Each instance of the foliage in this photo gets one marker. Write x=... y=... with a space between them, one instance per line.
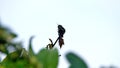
x=75 y=61
x=19 y=57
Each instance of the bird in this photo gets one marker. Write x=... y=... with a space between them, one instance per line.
x=61 y=32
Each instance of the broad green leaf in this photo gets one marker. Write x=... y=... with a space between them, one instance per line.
x=75 y=61
x=49 y=58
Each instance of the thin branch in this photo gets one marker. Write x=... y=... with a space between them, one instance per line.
x=55 y=42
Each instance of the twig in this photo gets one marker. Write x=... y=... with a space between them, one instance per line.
x=55 y=42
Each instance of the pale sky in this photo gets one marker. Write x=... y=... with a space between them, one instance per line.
x=92 y=27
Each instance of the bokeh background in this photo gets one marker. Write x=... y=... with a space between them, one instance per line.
x=92 y=27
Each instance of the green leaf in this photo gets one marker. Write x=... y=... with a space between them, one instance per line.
x=16 y=59
x=31 y=52
x=21 y=63
x=75 y=61
x=7 y=34
x=14 y=56
x=49 y=58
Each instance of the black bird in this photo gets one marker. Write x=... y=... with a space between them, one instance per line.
x=61 y=31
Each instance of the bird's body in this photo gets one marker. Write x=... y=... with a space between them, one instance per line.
x=61 y=32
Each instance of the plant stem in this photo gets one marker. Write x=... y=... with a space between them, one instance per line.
x=55 y=42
